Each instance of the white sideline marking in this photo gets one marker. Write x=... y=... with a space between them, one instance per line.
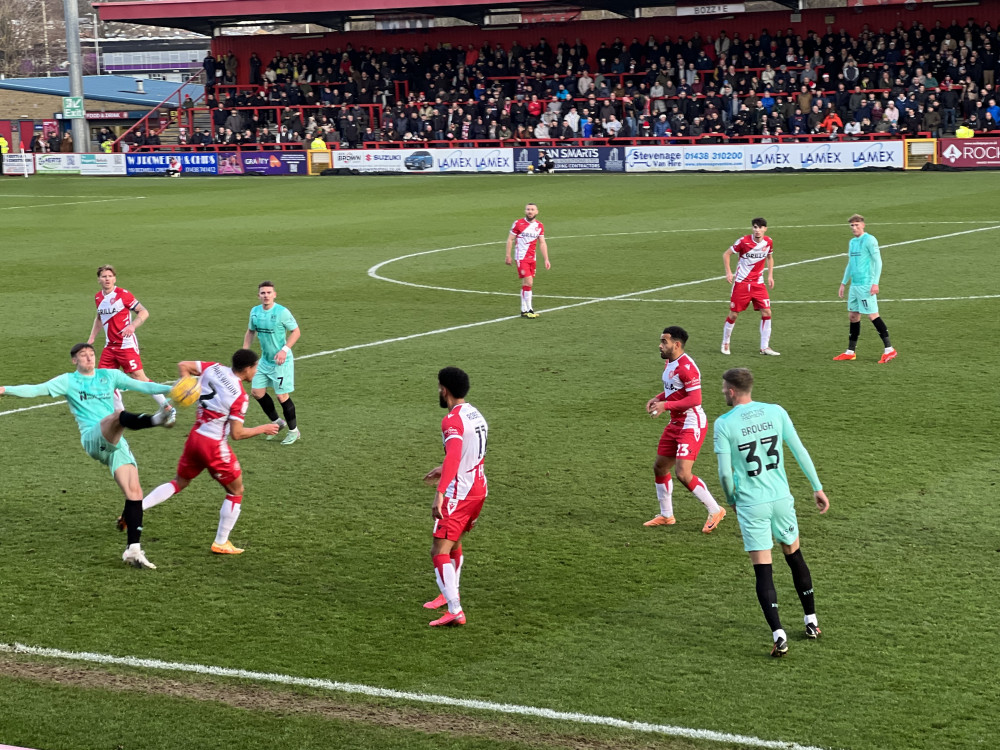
x=29 y=408
x=813 y=301
x=76 y=203
x=32 y=195
x=373 y=271
x=588 y=301
x=377 y=692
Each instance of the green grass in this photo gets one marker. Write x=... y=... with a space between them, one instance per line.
x=572 y=604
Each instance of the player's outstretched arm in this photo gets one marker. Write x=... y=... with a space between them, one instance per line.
x=241 y=432
x=125 y=382
x=189 y=368
x=248 y=339
x=55 y=387
x=94 y=329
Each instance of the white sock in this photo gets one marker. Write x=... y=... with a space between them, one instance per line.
x=458 y=570
x=727 y=331
x=765 y=333
x=849 y=351
x=228 y=514
x=701 y=492
x=779 y=633
x=157 y=496
x=665 y=493
x=888 y=349
x=117 y=400
x=158 y=418
x=449 y=586
x=527 y=299
x=160 y=399
x=280 y=422
x=524 y=302
x=811 y=619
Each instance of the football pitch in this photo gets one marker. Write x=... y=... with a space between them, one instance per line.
x=585 y=629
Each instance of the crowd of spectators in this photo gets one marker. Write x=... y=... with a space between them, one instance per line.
x=898 y=82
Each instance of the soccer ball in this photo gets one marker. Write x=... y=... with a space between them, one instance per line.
x=185 y=391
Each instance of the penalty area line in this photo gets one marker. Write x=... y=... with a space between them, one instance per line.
x=431 y=698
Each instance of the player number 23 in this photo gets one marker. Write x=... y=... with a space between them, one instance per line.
x=771 y=451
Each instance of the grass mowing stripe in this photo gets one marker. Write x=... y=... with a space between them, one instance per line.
x=376 y=692
x=589 y=301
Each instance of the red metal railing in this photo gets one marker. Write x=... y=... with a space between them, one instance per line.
x=142 y=126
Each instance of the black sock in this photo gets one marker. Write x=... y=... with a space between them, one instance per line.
x=131 y=421
x=882 y=331
x=267 y=404
x=132 y=516
x=288 y=408
x=852 y=340
x=766 y=595
x=803 y=581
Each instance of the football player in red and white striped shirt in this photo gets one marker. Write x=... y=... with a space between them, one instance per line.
x=115 y=307
x=755 y=250
x=221 y=409
x=527 y=234
x=461 y=490
x=683 y=436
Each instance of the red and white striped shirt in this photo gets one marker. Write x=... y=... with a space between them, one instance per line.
x=222 y=399
x=753 y=256
x=526 y=234
x=115 y=311
x=466 y=424
x=681 y=379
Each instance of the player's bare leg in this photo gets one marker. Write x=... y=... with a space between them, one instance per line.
x=228 y=515
x=141 y=375
x=727 y=331
x=765 y=335
x=127 y=477
x=446 y=571
x=664 y=492
x=684 y=469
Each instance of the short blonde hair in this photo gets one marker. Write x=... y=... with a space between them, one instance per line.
x=856 y=217
x=102 y=269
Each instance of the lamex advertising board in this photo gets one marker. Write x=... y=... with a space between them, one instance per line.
x=103 y=165
x=158 y=163
x=573 y=158
x=273 y=163
x=472 y=160
x=854 y=155
x=969 y=152
x=18 y=164
x=654 y=158
x=57 y=163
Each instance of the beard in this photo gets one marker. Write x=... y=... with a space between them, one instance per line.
x=442 y=401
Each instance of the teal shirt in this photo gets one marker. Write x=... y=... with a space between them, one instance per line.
x=271 y=327
x=90 y=397
x=864 y=261
x=748 y=444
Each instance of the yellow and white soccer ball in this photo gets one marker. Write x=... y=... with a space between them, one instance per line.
x=186 y=391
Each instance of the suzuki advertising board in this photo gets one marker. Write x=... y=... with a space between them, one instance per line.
x=969 y=152
x=157 y=163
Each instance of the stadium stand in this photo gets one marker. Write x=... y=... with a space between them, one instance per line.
x=707 y=89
